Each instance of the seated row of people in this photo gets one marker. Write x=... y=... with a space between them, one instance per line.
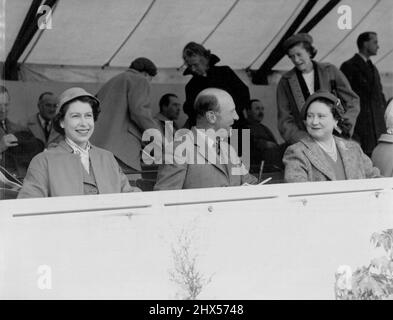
x=76 y=167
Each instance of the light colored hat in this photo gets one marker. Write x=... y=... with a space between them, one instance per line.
x=73 y=93
x=296 y=38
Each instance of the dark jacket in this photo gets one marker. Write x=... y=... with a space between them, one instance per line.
x=290 y=99
x=365 y=81
x=221 y=77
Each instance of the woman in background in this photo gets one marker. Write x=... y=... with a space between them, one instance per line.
x=74 y=166
x=382 y=156
x=321 y=156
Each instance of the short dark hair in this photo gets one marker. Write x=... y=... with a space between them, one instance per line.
x=248 y=107
x=165 y=100
x=3 y=89
x=205 y=103
x=63 y=110
x=193 y=48
x=42 y=95
x=364 y=37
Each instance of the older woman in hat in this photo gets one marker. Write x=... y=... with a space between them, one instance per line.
x=382 y=155
x=74 y=166
x=307 y=77
x=320 y=155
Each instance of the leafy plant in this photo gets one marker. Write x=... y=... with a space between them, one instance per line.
x=374 y=282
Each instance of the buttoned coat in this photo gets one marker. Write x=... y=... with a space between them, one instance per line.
x=200 y=170
x=125 y=114
x=382 y=155
x=290 y=100
x=305 y=161
x=35 y=127
x=58 y=172
x=367 y=84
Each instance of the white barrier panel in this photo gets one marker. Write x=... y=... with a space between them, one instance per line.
x=258 y=242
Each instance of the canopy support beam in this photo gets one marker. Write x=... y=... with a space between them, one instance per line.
x=25 y=35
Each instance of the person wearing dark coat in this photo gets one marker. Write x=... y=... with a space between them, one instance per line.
x=307 y=77
x=365 y=81
x=201 y=64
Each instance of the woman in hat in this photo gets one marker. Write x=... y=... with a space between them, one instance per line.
x=307 y=77
x=321 y=156
x=382 y=155
x=74 y=166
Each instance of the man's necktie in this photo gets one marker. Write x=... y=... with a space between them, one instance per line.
x=47 y=129
x=4 y=126
x=370 y=67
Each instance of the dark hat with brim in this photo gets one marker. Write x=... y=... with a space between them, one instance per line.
x=295 y=39
x=323 y=95
x=143 y=64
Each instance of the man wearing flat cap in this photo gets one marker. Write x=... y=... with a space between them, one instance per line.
x=126 y=113
x=307 y=77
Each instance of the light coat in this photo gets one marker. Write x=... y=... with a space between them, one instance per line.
x=382 y=156
x=125 y=114
x=206 y=174
x=305 y=161
x=58 y=172
x=34 y=125
x=290 y=100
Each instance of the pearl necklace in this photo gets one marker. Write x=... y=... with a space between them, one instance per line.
x=330 y=150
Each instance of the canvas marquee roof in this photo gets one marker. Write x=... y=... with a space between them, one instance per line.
x=241 y=32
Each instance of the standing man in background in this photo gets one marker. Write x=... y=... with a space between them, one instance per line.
x=125 y=114
x=366 y=82
x=40 y=124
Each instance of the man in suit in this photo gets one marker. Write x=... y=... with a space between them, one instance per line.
x=40 y=124
x=208 y=162
x=169 y=111
x=17 y=144
x=125 y=114
x=365 y=81
x=264 y=145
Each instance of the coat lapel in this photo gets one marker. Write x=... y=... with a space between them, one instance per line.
x=296 y=89
x=348 y=156
x=203 y=152
x=316 y=156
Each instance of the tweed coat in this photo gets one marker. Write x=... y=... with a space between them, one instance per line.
x=367 y=84
x=199 y=172
x=382 y=155
x=58 y=172
x=305 y=161
x=125 y=114
x=290 y=100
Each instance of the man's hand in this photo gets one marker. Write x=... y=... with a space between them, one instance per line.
x=8 y=140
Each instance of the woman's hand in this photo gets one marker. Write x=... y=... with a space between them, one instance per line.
x=8 y=140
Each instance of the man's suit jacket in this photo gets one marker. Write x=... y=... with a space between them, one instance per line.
x=198 y=171
x=367 y=84
x=305 y=161
x=59 y=172
x=290 y=100
x=125 y=114
x=16 y=159
x=34 y=125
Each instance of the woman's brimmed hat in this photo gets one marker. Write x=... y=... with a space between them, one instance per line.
x=323 y=95
x=296 y=38
x=73 y=93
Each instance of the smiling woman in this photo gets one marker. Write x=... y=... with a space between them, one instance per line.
x=321 y=156
x=74 y=166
